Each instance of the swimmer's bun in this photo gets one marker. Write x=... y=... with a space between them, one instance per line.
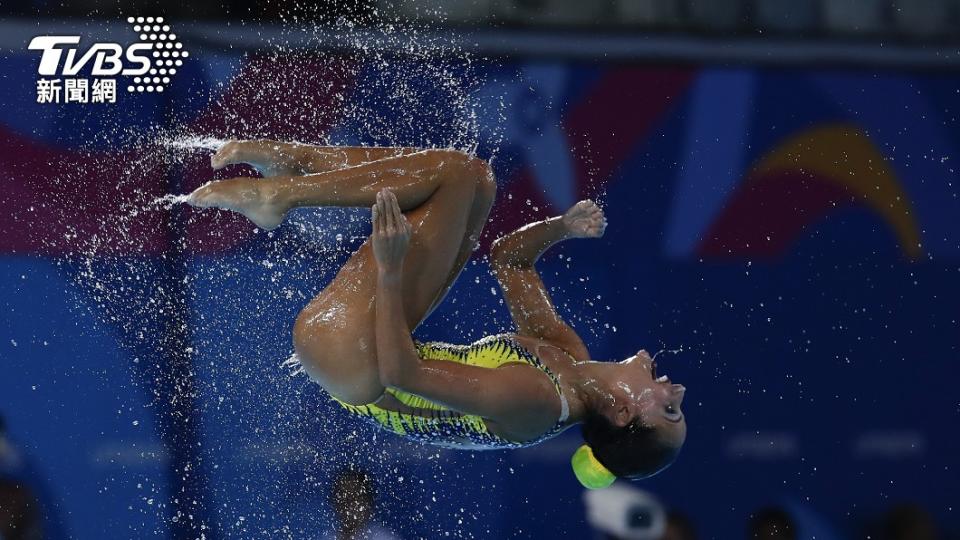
x=590 y=472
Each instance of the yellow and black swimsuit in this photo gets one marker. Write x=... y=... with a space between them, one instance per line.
x=435 y=424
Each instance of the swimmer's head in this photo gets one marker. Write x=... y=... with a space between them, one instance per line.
x=635 y=426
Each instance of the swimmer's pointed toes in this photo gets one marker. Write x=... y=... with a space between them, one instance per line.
x=225 y=155
x=200 y=198
x=219 y=161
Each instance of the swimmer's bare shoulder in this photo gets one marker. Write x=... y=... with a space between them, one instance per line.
x=534 y=420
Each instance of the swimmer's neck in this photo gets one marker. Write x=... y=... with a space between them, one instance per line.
x=585 y=386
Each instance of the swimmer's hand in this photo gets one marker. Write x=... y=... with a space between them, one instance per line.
x=585 y=220
x=391 y=233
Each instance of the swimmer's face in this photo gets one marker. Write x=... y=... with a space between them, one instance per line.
x=640 y=394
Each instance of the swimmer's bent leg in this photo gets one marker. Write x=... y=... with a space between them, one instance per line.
x=413 y=178
x=334 y=335
x=274 y=158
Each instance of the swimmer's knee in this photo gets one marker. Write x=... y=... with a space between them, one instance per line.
x=479 y=171
x=301 y=329
x=467 y=168
x=310 y=341
x=486 y=186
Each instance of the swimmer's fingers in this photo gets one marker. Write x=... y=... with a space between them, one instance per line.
x=382 y=214
x=375 y=219
x=383 y=210
x=391 y=236
x=383 y=199
x=591 y=209
x=399 y=221
x=585 y=220
x=599 y=222
x=405 y=223
x=598 y=226
x=593 y=230
x=395 y=215
x=393 y=221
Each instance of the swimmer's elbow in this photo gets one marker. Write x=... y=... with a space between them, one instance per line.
x=390 y=376
x=397 y=372
x=496 y=251
x=500 y=256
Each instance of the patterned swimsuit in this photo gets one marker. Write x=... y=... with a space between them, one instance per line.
x=435 y=424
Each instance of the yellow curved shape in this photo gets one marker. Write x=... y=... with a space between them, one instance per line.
x=588 y=469
x=845 y=154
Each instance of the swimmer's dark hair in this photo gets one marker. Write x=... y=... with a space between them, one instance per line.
x=633 y=452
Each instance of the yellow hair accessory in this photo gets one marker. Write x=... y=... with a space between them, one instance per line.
x=590 y=472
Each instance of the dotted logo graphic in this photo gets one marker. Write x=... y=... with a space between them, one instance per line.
x=168 y=54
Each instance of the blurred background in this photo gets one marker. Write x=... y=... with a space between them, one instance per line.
x=783 y=207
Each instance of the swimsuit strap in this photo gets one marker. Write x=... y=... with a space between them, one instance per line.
x=534 y=360
x=564 y=409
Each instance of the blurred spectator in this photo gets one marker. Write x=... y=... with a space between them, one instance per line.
x=622 y=512
x=6 y=449
x=10 y=461
x=908 y=522
x=19 y=515
x=679 y=527
x=353 y=498
x=19 y=510
x=771 y=523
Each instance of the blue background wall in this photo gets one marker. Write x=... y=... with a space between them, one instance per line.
x=793 y=231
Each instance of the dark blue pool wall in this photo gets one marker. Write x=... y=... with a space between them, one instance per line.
x=793 y=230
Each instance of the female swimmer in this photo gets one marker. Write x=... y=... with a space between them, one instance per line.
x=506 y=391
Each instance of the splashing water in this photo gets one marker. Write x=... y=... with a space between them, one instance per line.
x=668 y=351
x=167 y=202
x=293 y=365
x=194 y=142
x=204 y=302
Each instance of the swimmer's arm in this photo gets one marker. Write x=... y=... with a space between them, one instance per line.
x=397 y=357
x=516 y=397
x=513 y=259
x=522 y=247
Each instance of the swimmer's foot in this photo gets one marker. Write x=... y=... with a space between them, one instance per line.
x=258 y=201
x=260 y=155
